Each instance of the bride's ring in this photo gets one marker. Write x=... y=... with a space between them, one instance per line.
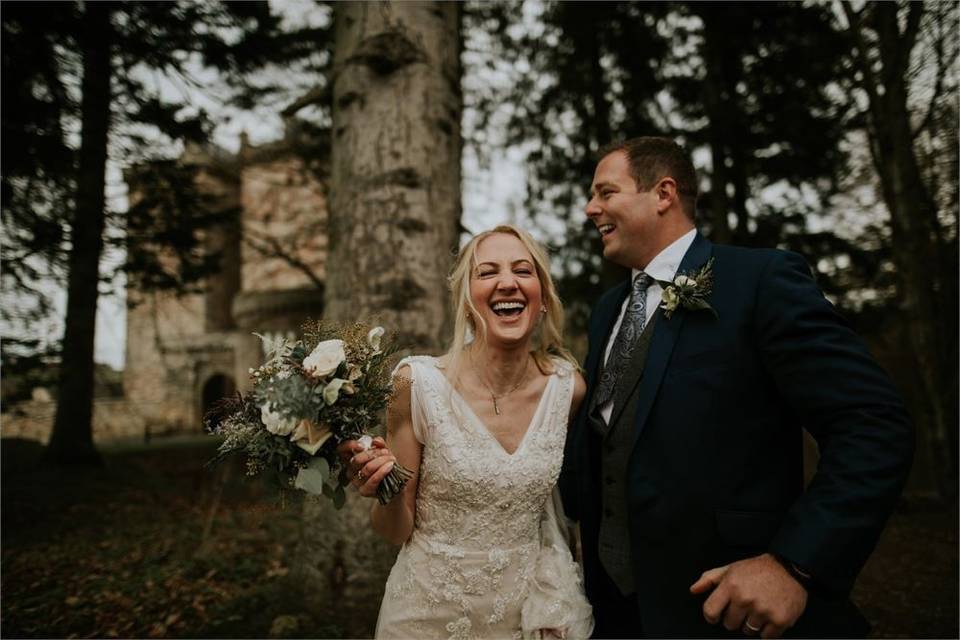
x=360 y=476
x=750 y=627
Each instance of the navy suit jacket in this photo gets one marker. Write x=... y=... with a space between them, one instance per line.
x=716 y=469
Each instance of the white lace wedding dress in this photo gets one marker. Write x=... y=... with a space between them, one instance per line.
x=487 y=558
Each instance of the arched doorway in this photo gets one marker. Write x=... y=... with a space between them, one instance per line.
x=216 y=388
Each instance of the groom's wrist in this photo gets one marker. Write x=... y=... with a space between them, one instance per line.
x=797 y=572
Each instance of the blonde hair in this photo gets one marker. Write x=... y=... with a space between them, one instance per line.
x=548 y=338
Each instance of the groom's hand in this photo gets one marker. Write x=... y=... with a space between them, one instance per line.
x=756 y=596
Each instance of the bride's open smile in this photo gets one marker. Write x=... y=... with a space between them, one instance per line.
x=505 y=289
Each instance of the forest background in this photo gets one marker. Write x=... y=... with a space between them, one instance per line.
x=825 y=128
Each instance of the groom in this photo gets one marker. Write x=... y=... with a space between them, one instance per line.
x=685 y=464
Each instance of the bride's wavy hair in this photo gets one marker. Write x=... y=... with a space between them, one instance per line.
x=547 y=338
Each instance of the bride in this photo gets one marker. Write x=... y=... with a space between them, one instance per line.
x=484 y=552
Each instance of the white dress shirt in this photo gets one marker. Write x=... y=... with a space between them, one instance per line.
x=663 y=267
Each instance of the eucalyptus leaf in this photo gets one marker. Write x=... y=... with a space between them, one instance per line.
x=313 y=477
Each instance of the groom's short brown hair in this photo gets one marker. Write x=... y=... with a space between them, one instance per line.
x=653 y=158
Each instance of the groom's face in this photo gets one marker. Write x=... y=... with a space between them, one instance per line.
x=626 y=217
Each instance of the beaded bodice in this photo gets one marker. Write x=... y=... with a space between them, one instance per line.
x=484 y=559
x=472 y=493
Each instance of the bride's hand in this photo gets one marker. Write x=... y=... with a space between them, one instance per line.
x=368 y=468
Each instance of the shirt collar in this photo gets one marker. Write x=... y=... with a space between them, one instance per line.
x=665 y=264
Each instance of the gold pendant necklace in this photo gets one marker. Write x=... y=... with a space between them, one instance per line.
x=495 y=397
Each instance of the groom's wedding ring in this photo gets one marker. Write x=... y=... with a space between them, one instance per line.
x=750 y=627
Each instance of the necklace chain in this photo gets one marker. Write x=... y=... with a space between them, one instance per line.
x=495 y=397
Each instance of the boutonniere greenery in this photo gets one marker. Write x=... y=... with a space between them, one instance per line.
x=688 y=291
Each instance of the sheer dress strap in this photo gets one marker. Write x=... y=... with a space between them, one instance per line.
x=419 y=377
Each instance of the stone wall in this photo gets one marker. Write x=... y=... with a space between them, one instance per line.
x=283 y=250
x=177 y=344
x=183 y=352
x=113 y=419
x=284 y=225
x=161 y=373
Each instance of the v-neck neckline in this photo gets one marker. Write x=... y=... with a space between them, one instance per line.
x=483 y=426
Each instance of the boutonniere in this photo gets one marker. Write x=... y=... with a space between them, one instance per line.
x=688 y=291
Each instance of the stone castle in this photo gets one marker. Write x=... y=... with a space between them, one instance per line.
x=185 y=352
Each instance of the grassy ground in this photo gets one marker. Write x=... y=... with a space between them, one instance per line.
x=154 y=545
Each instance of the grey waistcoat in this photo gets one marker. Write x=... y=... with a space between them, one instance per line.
x=618 y=439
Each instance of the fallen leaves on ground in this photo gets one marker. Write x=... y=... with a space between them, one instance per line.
x=117 y=552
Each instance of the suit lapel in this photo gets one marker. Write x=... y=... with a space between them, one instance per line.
x=665 y=335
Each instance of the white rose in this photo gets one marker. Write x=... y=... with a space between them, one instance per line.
x=325 y=358
x=373 y=338
x=310 y=436
x=332 y=391
x=275 y=422
x=685 y=281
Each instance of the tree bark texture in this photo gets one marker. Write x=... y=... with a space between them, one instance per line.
x=395 y=184
x=393 y=228
x=927 y=285
x=72 y=438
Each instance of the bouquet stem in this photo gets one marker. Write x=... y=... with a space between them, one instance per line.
x=393 y=483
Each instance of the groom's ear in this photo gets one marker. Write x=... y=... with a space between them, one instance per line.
x=667 y=195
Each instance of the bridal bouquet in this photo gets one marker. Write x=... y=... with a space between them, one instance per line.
x=309 y=396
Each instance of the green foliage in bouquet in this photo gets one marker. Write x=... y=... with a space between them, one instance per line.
x=310 y=395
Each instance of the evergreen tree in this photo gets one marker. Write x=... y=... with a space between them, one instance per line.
x=37 y=180
x=72 y=437
x=95 y=66
x=886 y=39
x=743 y=83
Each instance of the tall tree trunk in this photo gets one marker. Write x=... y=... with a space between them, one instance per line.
x=741 y=191
x=924 y=279
x=716 y=92
x=394 y=216
x=72 y=437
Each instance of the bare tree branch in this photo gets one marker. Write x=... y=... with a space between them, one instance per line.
x=939 y=82
x=270 y=247
x=909 y=37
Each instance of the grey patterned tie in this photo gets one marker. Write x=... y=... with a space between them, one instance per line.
x=630 y=329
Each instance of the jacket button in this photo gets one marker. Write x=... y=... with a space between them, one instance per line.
x=609 y=480
x=608 y=513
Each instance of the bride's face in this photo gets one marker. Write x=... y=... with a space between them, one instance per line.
x=505 y=289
